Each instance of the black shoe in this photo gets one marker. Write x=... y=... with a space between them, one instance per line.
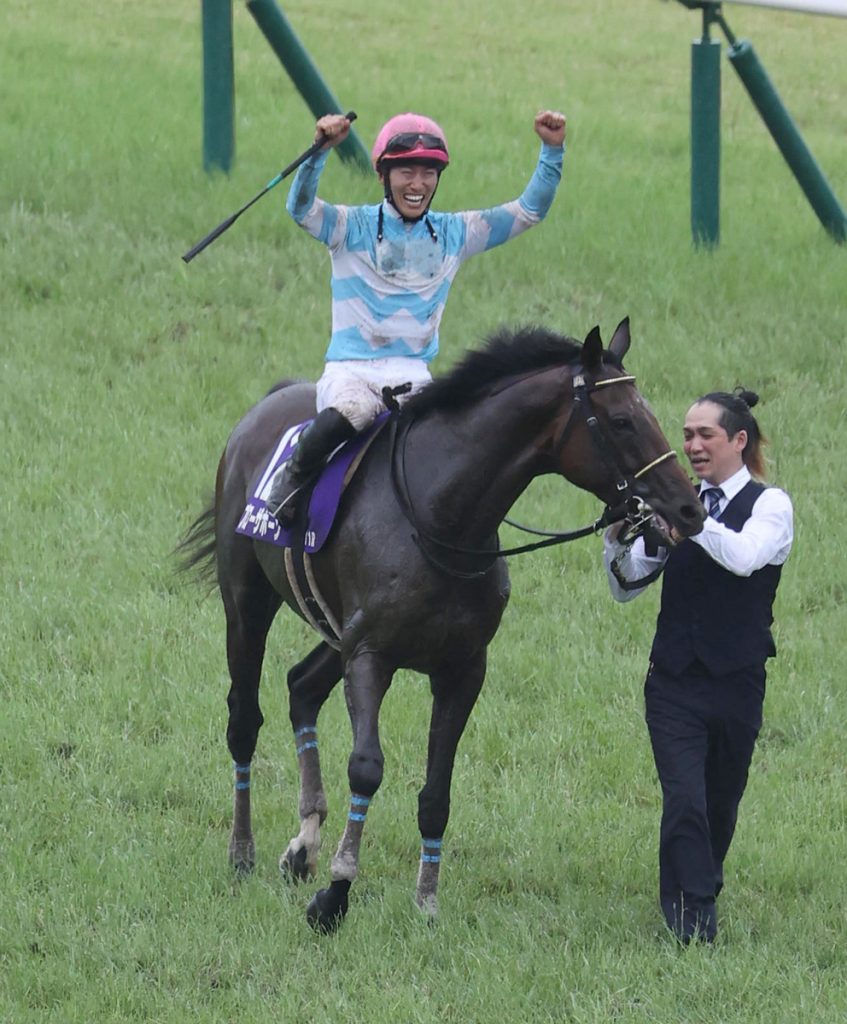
x=324 y=434
x=280 y=502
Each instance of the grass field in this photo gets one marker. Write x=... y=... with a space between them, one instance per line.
x=123 y=371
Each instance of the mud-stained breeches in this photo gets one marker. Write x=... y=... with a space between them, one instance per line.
x=354 y=387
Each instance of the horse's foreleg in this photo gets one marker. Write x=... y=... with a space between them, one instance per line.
x=454 y=694
x=248 y=622
x=309 y=684
x=366 y=681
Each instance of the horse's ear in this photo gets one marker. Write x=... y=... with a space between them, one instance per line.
x=619 y=345
x=592 y=349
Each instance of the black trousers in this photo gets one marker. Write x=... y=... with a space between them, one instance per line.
x=703 y=729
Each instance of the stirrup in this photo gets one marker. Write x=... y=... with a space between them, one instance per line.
x=287 y=507
x=280 y=484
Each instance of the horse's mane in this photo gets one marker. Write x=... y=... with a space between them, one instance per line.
x=506 y=353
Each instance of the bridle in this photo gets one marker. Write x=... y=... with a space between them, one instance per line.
x=629 y=507
x=583 y=389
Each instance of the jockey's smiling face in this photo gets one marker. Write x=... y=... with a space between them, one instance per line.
x=412 y=187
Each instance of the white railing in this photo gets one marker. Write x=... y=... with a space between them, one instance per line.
x=837 y=8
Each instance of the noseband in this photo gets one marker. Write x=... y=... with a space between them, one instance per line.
x=611 y=514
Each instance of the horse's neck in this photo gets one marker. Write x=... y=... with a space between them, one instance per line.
x=471 y=466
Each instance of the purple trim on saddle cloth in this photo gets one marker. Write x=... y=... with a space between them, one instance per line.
x=257 y=521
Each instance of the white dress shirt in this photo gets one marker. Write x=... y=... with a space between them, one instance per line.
x=765 y=539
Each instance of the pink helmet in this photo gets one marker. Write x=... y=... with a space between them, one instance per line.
x=410 y=136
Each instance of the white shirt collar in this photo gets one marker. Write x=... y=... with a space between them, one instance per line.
x=730 y=487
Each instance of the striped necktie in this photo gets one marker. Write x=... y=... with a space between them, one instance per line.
x=711 y=498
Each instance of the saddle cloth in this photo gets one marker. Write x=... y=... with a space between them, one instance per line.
x=257 y=521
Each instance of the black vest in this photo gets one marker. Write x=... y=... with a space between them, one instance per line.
x=710 y=615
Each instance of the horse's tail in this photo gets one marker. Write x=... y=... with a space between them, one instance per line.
x=196 y=552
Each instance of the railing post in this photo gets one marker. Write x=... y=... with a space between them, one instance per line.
x=297 y=62
x=705 y=136
x=789 y=140
x=218 y=86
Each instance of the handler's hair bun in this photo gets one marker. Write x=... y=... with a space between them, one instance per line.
x=750 y=398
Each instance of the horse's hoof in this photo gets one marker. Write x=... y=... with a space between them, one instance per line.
x=327 y=908
x=293 y=865
x=242 y=857
x=428 y=905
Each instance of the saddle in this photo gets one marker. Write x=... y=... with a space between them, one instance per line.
x=317 y=510
x=320 y=499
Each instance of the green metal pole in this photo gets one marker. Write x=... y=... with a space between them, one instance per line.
x=218 y=86
x=705 y=139
x=785 y=134
x=306 y=77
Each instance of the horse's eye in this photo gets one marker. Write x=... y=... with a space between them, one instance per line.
x=622 y=423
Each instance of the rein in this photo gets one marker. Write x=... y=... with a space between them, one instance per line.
x=423 y=538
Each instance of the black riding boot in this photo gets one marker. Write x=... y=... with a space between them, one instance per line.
x=324 y=434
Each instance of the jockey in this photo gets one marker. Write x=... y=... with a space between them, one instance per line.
x=392 y=268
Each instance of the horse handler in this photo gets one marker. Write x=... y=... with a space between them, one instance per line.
x=705 y=686
x=392 y=268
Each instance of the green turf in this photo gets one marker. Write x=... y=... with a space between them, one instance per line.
x=122 y=373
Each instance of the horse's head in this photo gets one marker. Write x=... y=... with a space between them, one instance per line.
x=612 y=445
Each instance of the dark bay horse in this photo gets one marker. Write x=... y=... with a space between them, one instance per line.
x=396 y=574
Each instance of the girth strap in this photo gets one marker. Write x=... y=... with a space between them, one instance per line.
x=299 y=570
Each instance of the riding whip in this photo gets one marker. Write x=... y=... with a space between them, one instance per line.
x=219 y=230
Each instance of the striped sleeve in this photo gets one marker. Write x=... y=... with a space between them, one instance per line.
x=485 y=229
x=322 y=220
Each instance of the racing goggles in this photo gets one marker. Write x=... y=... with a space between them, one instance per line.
x=409 y=142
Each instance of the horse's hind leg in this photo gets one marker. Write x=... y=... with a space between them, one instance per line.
x=454 y=694
x=309 y=684
x=250 y=609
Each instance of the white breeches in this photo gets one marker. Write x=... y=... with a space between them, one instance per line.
x=354 y=386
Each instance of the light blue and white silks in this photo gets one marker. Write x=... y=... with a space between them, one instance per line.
x=388 y=295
